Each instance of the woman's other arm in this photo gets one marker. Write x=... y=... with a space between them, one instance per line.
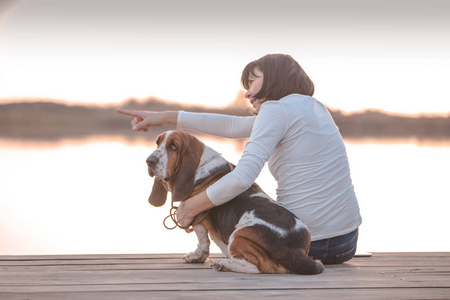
x=269 y=129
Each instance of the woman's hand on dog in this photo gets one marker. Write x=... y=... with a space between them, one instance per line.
x=143 y=120
x=185 y=215
x=188 y=209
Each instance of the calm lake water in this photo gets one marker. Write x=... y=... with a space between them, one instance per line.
x=90 y=196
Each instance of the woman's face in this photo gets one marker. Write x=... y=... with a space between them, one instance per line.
x=255 y=81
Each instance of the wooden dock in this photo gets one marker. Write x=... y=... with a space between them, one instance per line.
x=166 y=276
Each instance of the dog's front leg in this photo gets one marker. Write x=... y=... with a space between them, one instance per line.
x=202 y=252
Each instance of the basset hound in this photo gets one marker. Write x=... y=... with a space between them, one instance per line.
x=256 y=234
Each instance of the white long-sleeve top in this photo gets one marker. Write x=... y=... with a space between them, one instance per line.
x=306 y=156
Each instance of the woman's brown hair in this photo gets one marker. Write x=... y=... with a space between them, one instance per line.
x=282 y=76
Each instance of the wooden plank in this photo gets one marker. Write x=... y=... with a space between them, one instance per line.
x=379 y=256
x=394 y=256
x=97 y=256
x=116 y=266
x=354 y=294
x=206 y=280
x=442 y=263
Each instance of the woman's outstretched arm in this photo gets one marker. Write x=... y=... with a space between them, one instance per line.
x=143 y=120
x=214 y=124
x=217 y=124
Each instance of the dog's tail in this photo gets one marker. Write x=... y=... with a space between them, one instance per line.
x=300 y=263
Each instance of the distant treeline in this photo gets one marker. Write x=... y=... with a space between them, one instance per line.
x=48 y=120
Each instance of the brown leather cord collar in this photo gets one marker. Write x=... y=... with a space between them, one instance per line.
x=173 y=215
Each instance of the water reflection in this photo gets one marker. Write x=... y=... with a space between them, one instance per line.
x=90 y=196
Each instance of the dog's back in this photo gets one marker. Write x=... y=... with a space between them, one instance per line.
x=276 y=232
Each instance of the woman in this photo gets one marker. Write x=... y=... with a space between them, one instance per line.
x=297 y=136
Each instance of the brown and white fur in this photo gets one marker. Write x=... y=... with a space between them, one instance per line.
x=256 y=234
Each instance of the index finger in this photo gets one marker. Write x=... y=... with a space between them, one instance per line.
x=133 y=113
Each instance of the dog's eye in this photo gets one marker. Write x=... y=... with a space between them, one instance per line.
x=172 y=147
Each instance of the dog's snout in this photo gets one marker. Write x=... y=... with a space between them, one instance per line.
x=152 y=160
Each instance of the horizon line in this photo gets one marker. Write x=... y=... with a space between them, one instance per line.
x=6 y=101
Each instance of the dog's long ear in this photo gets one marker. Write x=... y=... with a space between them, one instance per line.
x=184 y=182
x=159 y=194
x=183 y=185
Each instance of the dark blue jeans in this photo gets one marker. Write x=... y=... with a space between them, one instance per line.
x=335 y=250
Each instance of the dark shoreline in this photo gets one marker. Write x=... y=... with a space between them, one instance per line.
x=54 y=121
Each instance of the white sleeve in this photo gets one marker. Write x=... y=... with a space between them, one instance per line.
x=269 y=128
x=216 y=124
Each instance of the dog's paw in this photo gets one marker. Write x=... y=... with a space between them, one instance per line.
x=217 y=266
x=197 y=256
x=235 y=265
x=220 y=265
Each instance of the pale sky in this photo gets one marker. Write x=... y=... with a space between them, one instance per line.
x=386 y=54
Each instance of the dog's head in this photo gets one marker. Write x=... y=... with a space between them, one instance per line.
x=173 y=164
